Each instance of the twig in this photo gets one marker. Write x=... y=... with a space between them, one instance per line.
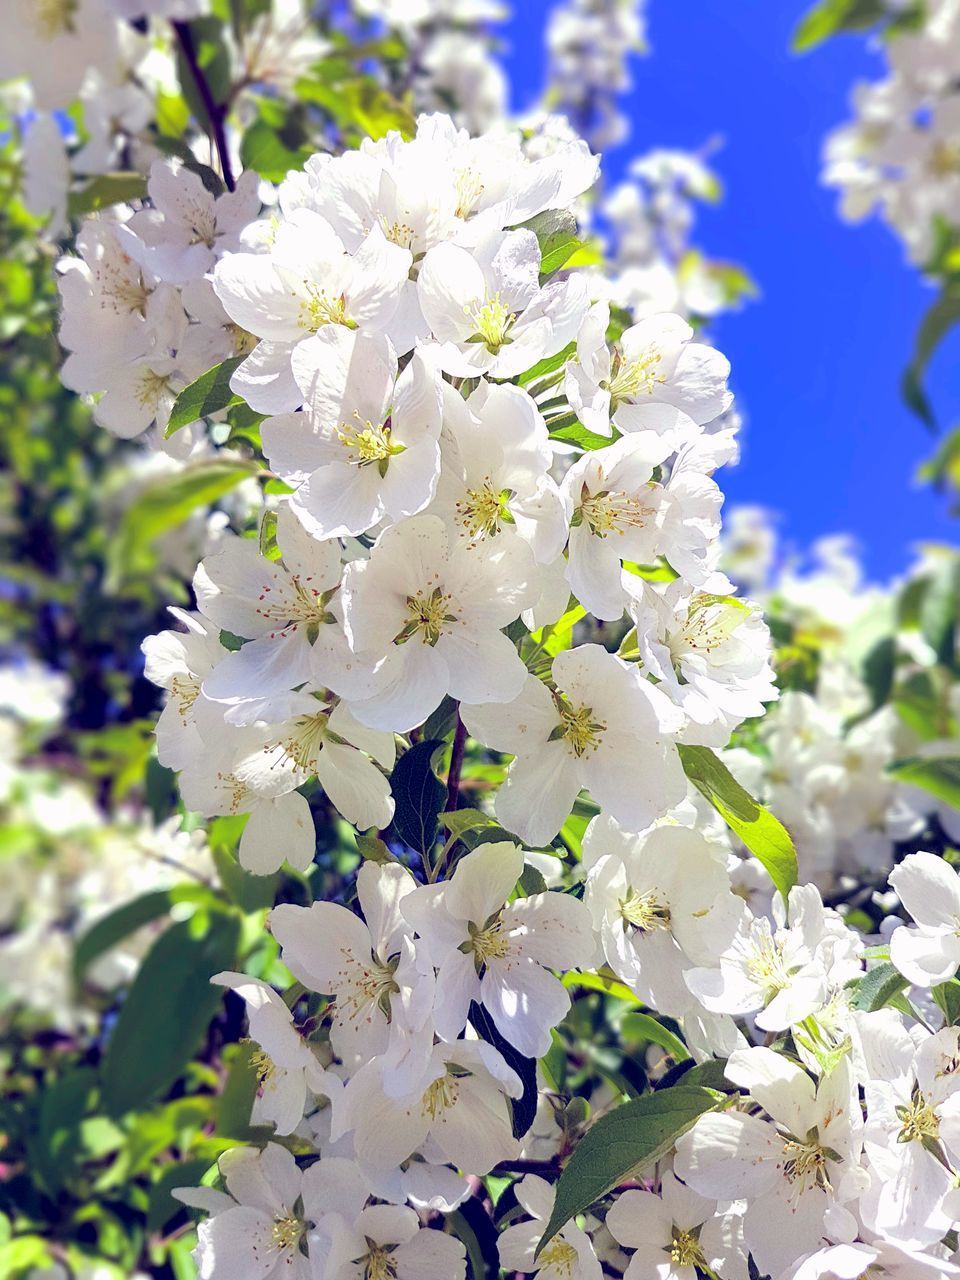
x=215 y=112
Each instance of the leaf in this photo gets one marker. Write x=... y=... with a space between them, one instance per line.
x=162 y=1206
x=419 y=796
x=524 y=1108
x=937 y=322
x=762 y=833
x=576 y=433
x=947 y=996
x=459 y=821
x=878 y=987
x=939 y=775
x=245 y=890
x=124 y=920
x=641 y=1026
x=832 y=16
x=167 y=1010
x=373 y=849
x=167 y=502
x=108 y=189
x=208 y=394
x=206 y=35
x=556 y=232
x=270 y=152
x=622 y=1143
x=442 y=722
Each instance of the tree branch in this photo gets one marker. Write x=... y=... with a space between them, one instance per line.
x=215 y=112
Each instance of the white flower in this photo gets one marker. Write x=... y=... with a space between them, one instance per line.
x=654 y=361
x=288 y=611
x=617 y=513
x=499 y=954
x=912 y=1133
x=602 y=729
x=356 y=961
x=881 y=1258
x=431 y=609
x=496 y=455
x=487 y=311
x=568 y=1256
x=257 y=1228
x=318 y=739
x=188 y=227
x=675 y=1232
x=306 y=281
x=457 y=1112
x=285 y=1064
x=53 y=44
x=710 y=654
x=790 y=1169
x=660 y=903
x=179 y=661
x=930 y=891
x=783 y=974
x=367 y=446
x=386 y=1240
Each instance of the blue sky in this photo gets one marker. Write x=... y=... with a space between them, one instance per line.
x=817 y=358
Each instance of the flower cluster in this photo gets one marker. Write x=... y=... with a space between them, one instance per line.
x=901 y=154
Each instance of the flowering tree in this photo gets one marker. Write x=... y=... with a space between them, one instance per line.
x=490 y=961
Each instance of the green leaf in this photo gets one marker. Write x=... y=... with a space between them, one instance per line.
x=459 y=821
x=167 y=502
x=271 y=152
x=167 y=1010
x=128 y=918
x=832 y=16
x=939 y=319
x=947 y=996
x=939 y=775
x=213 y=59
x=247 y=891
x=162 y=1206
x=207 y=395
x=623 y=1143
x=419 y=796
x=641 y=1026
x=576 y=433
x=762 y=833
x=556 y=232
x=878 y=987
x=108 y=189
x=373 y=849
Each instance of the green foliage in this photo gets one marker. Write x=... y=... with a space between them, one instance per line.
x=938 y=775
x=556 y=232
x=830 y=17
x=419 y=796
x=207 y=395
x=624 y=1143
x=167 y=1009
x=762 y=833
x=878 y=987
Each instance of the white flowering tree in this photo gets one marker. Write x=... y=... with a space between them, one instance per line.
x=494 y=959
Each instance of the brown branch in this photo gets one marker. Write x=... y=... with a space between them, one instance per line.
x=215 y=112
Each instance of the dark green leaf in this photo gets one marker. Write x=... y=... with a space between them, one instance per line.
x=525 y=1107
x=947 y=996
x=167 y=1010
x=419 y=796
x=162 y=1206
x=208 y=394
x=108 y=189
x=940 y=775
x=878 y=987
x=622 y=1143
x=643 y=1026
x=121 y=922
x=247 y=891
x=762 y=833
x=939 y=319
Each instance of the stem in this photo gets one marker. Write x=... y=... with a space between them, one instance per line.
x=456 y=763
x=550 y=1168
x=215 y=113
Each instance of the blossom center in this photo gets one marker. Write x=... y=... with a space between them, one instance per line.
x=944 y=159
x=306 y=605
x=805 y=1163
x=318 y=309
x=366 y=985
x=486 y=941
x=469 y=189
x=150 y=387
x=302 y=746
x=765 y=966
x=685 y=1249
x=263 y=1066
x=369 y=443
x=612 y=512
x=560 y=1255
x=184 y=691
x=482 y=510
x=711 y=620
x=440 y=1096
x=919 y=1121
x=54 y=18
x=378 y=1263
x=492 y=321
x=427 y=617
x=577 y=727
x=631 y=378
x=286 y=1232
x=645 y=911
